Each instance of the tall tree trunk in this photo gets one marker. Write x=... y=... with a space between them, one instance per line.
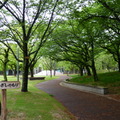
x=25 y=76
x=54 y=72
x=4 y=72
x=95 y=76
x=32 y=70
x=88 y=71
x=54 y=66
x=50 y=72
x=25 y=69
x=6 y=60
x=81 y=70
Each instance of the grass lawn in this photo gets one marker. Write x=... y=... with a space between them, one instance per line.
x=110 y=80
x=34 y=105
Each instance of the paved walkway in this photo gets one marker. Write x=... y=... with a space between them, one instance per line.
x=85 y=106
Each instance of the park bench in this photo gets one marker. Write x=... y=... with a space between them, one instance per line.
x=36 y=78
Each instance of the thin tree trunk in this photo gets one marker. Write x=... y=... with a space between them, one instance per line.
x=93 y=63
x=5 y=63
x=95 y=76
x=119 y=64
x=50 y=72
x=31 y=72
x=54 y=72
x=88 y=71
x=81 y=71
x=4 y=72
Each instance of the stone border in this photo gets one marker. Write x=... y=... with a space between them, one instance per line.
x=86 y=88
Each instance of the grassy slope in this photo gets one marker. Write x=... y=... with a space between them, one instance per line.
x=110 y=80
x=34 y=105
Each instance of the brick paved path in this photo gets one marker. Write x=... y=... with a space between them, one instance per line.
x=85 y=106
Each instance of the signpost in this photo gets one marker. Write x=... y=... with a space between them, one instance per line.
x=3 y=86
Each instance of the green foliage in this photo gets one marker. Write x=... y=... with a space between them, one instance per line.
x=84 y=28
x=106 y=62
x=67 y=66
x=29 y=27
x=47 y=63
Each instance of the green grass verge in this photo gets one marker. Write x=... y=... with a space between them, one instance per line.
x=34 y=105
x=110 y=80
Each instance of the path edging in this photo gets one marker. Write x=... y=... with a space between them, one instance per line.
x=86 y=88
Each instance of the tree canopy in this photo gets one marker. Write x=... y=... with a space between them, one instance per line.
x=79 y=31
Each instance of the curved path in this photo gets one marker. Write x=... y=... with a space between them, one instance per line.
x=85 y=106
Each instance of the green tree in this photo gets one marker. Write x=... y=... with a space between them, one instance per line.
x=28 y=17
x=33 y=65
x=105 y=62
x=79 y=44
x=49 y=64
x=4 y=59
x=107 y=14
